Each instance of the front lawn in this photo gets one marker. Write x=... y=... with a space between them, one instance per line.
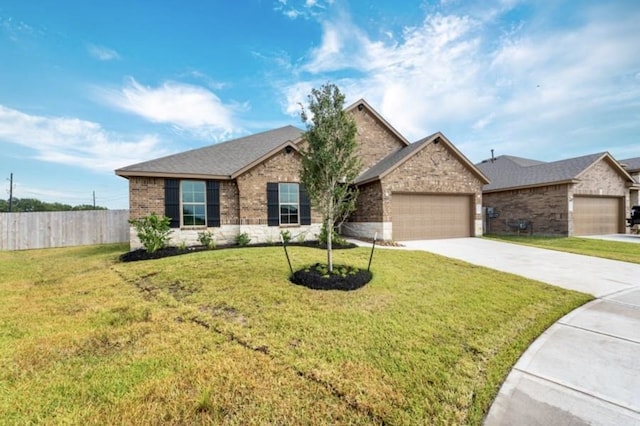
x=615 y=250
x=222 y=337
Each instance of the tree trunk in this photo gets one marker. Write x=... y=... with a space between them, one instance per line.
x=329 y=226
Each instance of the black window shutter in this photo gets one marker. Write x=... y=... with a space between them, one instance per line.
x=305 y=207
x=172 y=201
x=273 y=204
x=213 y=203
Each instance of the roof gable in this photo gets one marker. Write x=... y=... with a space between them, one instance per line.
x=221 y=160
x=396 y=159
x=362 y=104
x=631 y=165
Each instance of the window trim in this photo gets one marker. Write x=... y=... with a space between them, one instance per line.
x=203 y=203
x=297 y=204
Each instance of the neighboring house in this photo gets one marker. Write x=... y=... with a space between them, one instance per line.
x=251 y=185
x=578 y=196
x=632 y=166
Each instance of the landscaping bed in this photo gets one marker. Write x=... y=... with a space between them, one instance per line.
x=142 y=254
x=318 y=277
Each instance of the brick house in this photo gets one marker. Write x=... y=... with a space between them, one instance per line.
x=586 y=195
x=252 y=185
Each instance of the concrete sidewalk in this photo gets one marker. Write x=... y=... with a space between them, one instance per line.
x=584 y=369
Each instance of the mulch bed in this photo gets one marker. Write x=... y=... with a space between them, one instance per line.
x=142 y=254
x=317 y=277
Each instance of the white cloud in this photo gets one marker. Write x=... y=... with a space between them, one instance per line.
x=102 y=53
x=184 y=106
x=489 y=80
x=75 y=142
x=294 y=9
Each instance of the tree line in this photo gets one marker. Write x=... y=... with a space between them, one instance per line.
x=34 y=205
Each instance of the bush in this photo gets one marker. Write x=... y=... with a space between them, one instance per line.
x=207 y=239
x=336 y=240
x=286 y=236
x=153 y=231
x=243 y=239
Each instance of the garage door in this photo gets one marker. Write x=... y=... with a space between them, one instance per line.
x=596 y=215
x=422 y=217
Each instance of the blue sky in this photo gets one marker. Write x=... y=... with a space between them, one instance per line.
x=87 y=87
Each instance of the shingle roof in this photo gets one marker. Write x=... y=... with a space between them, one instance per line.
x=631 y=164
x=391 y=160
x=512 y=172
x=223 y=159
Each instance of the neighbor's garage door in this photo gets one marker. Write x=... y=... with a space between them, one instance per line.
x=422 y=217
x=596 y=215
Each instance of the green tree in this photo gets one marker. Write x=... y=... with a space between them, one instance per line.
x=34 y=205
x=330 y=164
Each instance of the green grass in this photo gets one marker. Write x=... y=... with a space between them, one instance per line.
x=615 y=250
x=222 y=337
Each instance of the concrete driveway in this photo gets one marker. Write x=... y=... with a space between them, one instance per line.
x=624 y=238
x=584 y=369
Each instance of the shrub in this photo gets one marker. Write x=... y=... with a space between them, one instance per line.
x=243 y=239
x=153 y=231
x=336 y=240
x=207 y=239
x=286 y=236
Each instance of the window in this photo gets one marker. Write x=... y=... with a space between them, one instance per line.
x=193 y=201
x=187 y=196
x=287 y=204
x=289 y=200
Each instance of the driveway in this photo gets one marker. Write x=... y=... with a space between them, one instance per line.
x=584 y=369
x=624 y=238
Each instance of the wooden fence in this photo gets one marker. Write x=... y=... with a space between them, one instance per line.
x=33 y=230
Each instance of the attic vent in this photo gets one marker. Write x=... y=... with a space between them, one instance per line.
x=360 y=107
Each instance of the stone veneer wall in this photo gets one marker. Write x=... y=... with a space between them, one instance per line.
x=545 y=208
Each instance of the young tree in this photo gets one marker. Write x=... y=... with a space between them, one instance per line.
x=329 y=161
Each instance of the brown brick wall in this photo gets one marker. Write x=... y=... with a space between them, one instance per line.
x=375 y=141
x=229 y=203
x=252 y=186
x=434 y=169
x=546 y=208
x=146 y=196
x=368 y=204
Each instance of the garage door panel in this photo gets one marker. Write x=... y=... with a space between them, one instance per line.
x=422 y=216
x=596 y=215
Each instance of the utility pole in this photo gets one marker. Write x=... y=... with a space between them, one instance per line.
x=10 y=192
x=94 y=199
